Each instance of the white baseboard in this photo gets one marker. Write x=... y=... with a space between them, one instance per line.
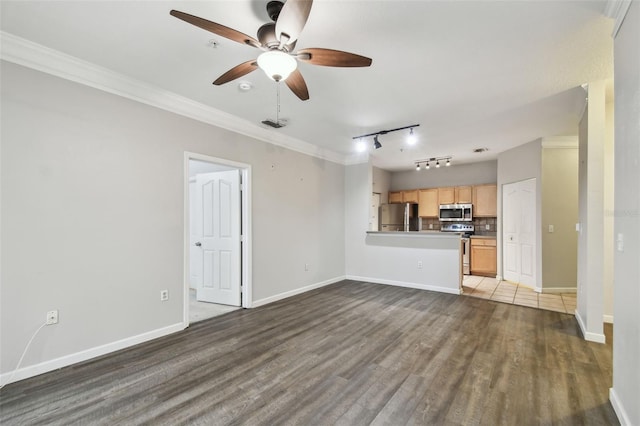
x=588 y=336
x=558 y=290
x=405 y=284
x=607 y=318
x=297 y=291
x=623 y=417
x=64 y=361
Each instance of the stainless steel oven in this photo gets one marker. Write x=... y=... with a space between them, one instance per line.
x=456 y=213
x=465 y=230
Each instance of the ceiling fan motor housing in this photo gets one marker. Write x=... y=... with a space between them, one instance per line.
x=267 y=38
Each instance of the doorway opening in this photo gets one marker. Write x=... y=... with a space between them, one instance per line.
x=217 y=238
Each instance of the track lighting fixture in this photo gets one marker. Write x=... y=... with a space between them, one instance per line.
x=376 y=142
x=431 y=160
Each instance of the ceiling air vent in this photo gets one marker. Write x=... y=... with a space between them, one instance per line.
x=479 y=150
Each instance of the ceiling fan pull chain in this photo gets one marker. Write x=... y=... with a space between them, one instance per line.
x=278 y=103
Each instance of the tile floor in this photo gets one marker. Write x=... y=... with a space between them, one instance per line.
x=506 y=292
x=199 y=311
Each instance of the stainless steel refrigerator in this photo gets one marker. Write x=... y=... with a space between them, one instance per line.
x=398 y=217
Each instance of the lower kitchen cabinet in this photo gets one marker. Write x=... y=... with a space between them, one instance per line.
x=483 y=257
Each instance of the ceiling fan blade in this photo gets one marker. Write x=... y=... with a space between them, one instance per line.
x=237 y=72
x=332 y=58
x=297 y=85
x=292 y=18
x=218 y=29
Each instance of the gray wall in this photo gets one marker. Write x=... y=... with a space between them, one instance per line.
x=92 y=215
x=517 y=164
x=626 y=344
x=560 y=209
x=454 y=175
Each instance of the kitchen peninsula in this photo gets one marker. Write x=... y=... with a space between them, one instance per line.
x=424 y=260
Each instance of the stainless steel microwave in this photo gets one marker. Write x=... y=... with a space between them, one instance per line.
x=456 y=212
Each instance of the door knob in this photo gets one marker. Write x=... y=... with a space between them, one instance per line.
x=198 y=244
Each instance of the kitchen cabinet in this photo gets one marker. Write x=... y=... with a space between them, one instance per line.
x=485 y=201
x=395 y=197
x=483 y=257
x=447 y=195
x=454 y=195
x=428 y=202
x=410 y=196
x=463 y=195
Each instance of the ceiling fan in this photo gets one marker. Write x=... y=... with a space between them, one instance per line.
x=278 y=40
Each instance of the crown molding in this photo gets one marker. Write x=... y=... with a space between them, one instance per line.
x=617 y=9
x=560 y=142
x=41 y=58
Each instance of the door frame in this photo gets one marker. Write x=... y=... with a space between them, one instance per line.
x=245 y=220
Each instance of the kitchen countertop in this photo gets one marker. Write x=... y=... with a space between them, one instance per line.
x=437 y=234
x=491 y=237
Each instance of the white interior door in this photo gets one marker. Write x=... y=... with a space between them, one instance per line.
x=519 y=232
x=510 y=219
x=218 y=204
x=195 y=235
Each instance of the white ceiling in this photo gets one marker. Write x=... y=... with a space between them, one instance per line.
x=493 y=74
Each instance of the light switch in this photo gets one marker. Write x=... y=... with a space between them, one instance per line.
x=551 y=228
x=620 y=242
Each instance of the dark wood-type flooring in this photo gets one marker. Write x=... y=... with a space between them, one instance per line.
x=350 y=353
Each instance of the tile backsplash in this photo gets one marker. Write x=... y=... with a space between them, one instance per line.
x=480 y=223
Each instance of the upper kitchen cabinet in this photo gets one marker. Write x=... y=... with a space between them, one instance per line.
x=463 y=195
x=428 y=202
x=447 y=195
x=395 y=197
x=485 y=201
x=410 y=196
x=454 y=195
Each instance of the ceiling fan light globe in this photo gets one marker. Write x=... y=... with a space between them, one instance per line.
x=277 y=65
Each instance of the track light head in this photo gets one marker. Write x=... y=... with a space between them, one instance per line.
x=418 y=166
x=448 y=163
x=411 y=140
x=376 y=142
x=437 y=164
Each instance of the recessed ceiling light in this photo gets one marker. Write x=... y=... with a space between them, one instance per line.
x=479 y=150
x=245 y=86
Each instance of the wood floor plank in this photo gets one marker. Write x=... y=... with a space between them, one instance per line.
x=348 y=354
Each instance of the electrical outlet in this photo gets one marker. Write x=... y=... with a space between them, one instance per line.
x=164 y=295
x=431 y=226
x=487 y=227
x=306 y=266
x=52 y=317
x=419 y=264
